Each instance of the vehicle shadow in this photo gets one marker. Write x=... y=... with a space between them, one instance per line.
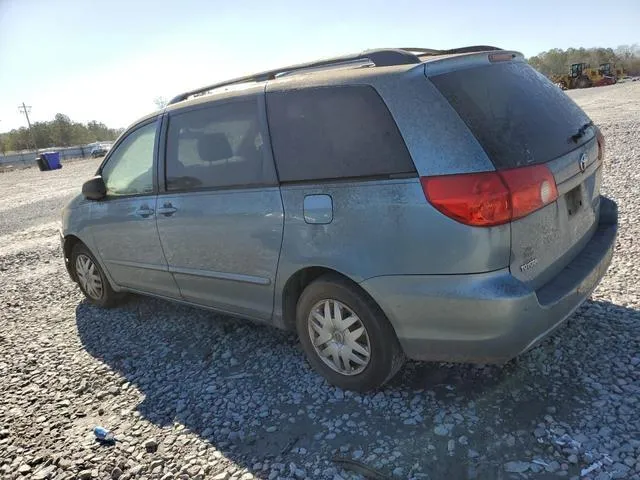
x=248 y=391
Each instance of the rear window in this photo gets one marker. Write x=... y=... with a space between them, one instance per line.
x=518 y=116
x=335 y=132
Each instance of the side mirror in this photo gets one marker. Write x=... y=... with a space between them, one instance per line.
x=94 y=189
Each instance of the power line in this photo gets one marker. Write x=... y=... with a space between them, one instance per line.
x=26 y=109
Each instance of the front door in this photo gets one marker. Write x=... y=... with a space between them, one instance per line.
x=124 y=223
x=220 y=217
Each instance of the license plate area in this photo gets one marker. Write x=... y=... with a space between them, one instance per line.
x=574 y=200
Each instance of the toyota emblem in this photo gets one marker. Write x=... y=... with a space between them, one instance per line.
x=583 y=162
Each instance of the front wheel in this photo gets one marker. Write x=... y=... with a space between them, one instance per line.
x=91 y=279
x=346 y=336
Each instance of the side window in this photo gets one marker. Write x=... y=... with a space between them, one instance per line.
x=334 y=132
x=129 y=170
x=216 y=146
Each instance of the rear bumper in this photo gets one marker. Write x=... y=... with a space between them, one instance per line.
x=490 y=317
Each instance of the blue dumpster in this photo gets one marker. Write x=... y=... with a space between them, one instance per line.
x=53 y=160
x=48 y=161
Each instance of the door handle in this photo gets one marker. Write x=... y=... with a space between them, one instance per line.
x=144 y=211
x=167 y=210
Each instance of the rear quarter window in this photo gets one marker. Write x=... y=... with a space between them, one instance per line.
x=518 y=116
x=333 y=133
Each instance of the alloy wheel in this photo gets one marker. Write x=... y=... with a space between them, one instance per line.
x=339 y=337
x=89 y=277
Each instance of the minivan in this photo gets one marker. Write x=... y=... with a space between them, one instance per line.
x=397 y=203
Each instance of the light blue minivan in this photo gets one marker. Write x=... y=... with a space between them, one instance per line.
x=435 y=205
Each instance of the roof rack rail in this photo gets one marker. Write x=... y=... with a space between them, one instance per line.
x=382 y=57
x=421 y=52
x=379 y=58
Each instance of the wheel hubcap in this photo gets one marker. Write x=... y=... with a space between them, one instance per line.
x=88 y=277
x=339 y=337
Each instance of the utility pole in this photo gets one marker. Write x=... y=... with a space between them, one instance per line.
x=26 y=109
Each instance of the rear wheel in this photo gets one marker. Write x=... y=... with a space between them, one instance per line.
x=345 y=335
x=583 y=82
x=91 y=279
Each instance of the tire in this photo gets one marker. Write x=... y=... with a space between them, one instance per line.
x=583 y=82
x=104 y=296
x=385 y=356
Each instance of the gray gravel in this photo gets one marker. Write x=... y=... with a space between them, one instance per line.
x=191 y=394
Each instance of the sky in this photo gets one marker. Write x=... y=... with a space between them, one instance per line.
x=107 y=60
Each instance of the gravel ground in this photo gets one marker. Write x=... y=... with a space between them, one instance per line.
x=191 y=394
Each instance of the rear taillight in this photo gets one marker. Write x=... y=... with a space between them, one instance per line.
x=491 y=198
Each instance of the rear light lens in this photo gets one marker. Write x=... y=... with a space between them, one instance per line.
x=491 y=198
x=531 y=189
x=480 y=199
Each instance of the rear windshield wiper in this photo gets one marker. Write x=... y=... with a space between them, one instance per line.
x=581 y=131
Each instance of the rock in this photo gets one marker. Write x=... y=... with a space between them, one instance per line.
x=194 y=470
x=441 y=430
x=84 y=475
x=619 y=470
x=471 y=453
x=516 y=467
x=572 y=459
x=451 y=446
x=357 y=454
x=552 y=466
x=43 y=473
x=24 y=469
x=136 y=469
x=222 y=476
x=398 y=472
x=151 y=445
x=116 y=473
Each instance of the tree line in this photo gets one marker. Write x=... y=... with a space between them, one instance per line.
x=557 y=61
x=59 y=132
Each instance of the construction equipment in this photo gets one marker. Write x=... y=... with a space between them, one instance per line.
x=610 y=71
x=581 y=75
x=576 y=78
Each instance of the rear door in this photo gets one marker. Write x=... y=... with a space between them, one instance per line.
x=220 y=214
x=520 y=119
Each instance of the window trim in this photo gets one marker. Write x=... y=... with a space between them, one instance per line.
x=157 y=120
x=267 y=154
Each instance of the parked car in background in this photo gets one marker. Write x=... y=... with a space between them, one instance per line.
x=100 y=150
x=436 y=205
